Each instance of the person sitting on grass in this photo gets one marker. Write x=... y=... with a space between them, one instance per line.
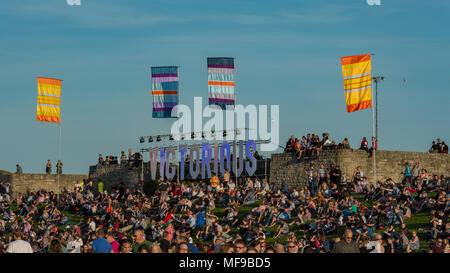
x=282 y=229
x=414 y=243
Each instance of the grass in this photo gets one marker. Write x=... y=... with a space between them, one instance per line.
x=417 y=221
x=414 y=223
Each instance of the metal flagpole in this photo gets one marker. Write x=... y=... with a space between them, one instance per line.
x=373 y=137
x=58 y=165
x=373 y=151
x=142 y=174
x=179 y=162
x=376 y=108
x=59 y=146
x=235 y=123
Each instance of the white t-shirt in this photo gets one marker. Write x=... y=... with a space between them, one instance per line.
x=19 y=246
x=377 y=246
x=75 y=246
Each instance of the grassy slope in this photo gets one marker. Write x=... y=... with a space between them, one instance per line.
x=414 y=223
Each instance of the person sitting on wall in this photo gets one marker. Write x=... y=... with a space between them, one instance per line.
x=299 y=149
x=333 y=146
x=326 y=142
x=18 y=169
x=290 y=145
x=365 y=146
x=345 y=145
x=316 y=145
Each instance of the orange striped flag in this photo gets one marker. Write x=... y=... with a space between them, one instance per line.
x=49 y=100
x=357 y=73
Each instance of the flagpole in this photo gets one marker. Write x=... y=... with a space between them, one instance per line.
x=178 y=102
x=374 y=140
x=373 y=144
x=235 y=123
x=59 y=147
x=59 y=157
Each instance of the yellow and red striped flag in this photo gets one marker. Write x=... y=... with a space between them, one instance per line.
x=49 y=100
x=357 y=73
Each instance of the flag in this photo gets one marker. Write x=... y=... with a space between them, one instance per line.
x=221 y=77
x=164 y=90
x=357 y=73
x=49 y=100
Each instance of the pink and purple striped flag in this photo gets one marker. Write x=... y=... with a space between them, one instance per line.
x=164 y=91
x=221 y=85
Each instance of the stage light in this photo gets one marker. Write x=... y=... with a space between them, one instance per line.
x=224 y=133
x=141 y=140
x=203 y=135
x=192 y=135
x=150 y=139
x=182 y=137
x=171 y=137
x=158 y=138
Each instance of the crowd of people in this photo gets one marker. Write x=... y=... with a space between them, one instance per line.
x=438 y=147
x=311 y=145
x=133 y=160
x=225 y=216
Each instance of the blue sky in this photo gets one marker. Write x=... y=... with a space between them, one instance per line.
x=287 y=53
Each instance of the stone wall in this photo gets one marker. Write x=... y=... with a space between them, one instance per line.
x=390 y=164
x=114 y=174
x=34 y=182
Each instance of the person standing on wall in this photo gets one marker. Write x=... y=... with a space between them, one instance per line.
x=48 y=167
x=59 y=166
